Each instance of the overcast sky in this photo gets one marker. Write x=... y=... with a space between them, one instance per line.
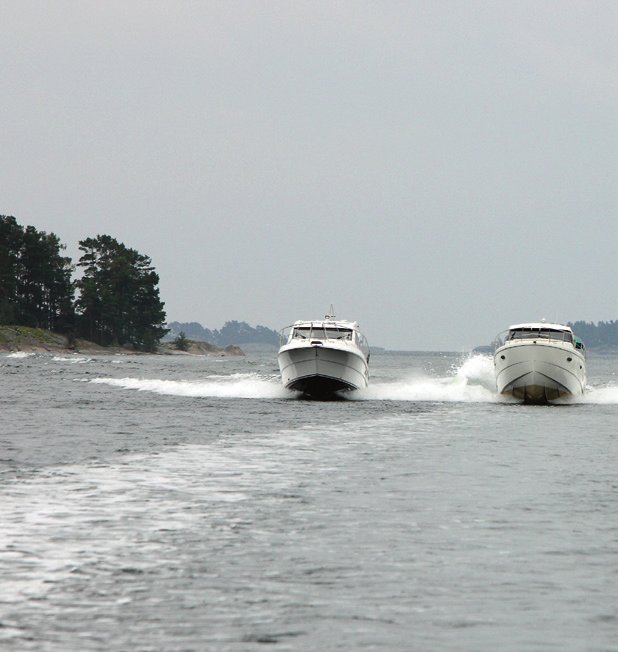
x=436 y=170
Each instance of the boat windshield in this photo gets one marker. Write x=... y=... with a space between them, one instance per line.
x=539 y=334
x=322 y=333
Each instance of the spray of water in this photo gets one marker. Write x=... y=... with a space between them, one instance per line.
x=471 y=382
x=599 y=396
x=239 y=386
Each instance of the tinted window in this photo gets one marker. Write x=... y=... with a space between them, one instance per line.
x=321 y=334
x=539 y=334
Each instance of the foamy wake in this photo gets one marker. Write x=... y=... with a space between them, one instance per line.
x=236 y=387
x=472 y=382
x=599 y=395
x=72 y=360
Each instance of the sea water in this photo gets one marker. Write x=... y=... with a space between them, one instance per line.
x=184 y=503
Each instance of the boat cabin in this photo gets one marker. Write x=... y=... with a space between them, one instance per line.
x=323 y=331
x=539 y=332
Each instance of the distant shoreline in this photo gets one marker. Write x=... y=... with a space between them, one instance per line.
x=16 y=339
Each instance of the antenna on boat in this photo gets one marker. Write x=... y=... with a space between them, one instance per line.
x=332 y=313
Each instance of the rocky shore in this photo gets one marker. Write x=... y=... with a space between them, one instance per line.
x=38 y=340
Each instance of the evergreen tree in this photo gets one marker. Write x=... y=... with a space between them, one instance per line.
x=119 y=296
x=182 y=343
x=192 y=330
x=234 y=332
x=35 y=279
x=596 y=335
x=11 y=235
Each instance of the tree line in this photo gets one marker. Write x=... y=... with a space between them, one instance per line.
x=232 y=332
x=603 y=334
x=114 y=302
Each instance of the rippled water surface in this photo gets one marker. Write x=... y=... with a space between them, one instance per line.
x=179 y=503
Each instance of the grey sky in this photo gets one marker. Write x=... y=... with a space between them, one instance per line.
x=436 y=170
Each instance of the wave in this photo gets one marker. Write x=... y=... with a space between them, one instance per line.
x=607 y=395
x=72 y=360
x=471 y=382
x=20 y=354
x=246 y=386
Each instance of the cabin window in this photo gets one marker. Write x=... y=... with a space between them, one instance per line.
x=320 y=333
x=539 y=334
x=337 y=334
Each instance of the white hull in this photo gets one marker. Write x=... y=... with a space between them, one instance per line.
x=538 y=371
x=322 y=370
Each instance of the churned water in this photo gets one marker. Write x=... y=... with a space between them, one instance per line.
x=180 y=503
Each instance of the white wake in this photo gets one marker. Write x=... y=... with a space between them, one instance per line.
x=224 y=387
x=471 y=382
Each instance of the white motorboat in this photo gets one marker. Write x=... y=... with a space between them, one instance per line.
x=324 y=357
x=540 y=363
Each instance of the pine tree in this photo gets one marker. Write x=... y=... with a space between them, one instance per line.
x=35 y=278
x=119 y=296
x=11 y=235
x=182 y=343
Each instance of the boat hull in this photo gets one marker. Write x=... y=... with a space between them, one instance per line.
x=321 y=372
x=537 y=372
